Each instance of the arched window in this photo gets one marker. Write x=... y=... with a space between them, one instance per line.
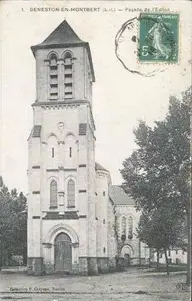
x=130 y=227
x=53 y=193
x=53 y=74
x=71 y=193
x=68 y=76
x=123 y=225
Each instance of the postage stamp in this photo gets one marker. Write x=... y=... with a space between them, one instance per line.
x=158 y=38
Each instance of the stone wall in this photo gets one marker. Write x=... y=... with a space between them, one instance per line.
x=102 y=264
x=101 y=212
x=92 y=266
x=83 y=266
x=75 y=268
x=111 y=231
x=112 y=267
x=35 y=266
x=132 y=244
x=86 y=266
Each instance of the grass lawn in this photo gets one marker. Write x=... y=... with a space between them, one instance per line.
x=172 y=268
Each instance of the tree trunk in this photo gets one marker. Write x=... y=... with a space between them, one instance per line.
x=167 y=263
x=150 y=252
x=139 y=252
x=1 y=263
x=189 y=258
x=1 y=257
x=158 y=260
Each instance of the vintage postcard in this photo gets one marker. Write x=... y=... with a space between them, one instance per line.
x=95 y=150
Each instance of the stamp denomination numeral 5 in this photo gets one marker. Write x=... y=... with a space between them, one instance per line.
x=144 y=51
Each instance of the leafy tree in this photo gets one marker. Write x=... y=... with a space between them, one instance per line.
x=160 y=230
x=13 y=223
x=4 y=199
x=157 y=174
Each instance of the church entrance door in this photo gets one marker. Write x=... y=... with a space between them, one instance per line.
x=63 y=253
x=126 y=260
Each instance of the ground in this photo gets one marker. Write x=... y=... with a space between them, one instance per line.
x=132 y=285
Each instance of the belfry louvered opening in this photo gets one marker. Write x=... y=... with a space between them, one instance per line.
x=68 y=76
x=53 y=73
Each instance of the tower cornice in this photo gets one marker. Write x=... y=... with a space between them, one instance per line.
x=58 y=103
x=69 y=103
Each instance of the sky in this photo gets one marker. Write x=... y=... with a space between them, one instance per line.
x=120 y=98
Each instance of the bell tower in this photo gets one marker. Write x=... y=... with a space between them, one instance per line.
x=64 y=69
x=61 y=164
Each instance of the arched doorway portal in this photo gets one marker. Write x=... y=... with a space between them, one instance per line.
x=127 y=254
x=63 y=253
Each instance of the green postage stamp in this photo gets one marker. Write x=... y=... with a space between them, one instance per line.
x=158 y=38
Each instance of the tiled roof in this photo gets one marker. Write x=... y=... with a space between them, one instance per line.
x=36 y=131
x=99 y=167
x=120 y=197
x=61 y=35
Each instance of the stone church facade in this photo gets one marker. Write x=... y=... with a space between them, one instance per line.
x=75 y=216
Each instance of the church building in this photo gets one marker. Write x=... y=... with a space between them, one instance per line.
x=76 y=217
